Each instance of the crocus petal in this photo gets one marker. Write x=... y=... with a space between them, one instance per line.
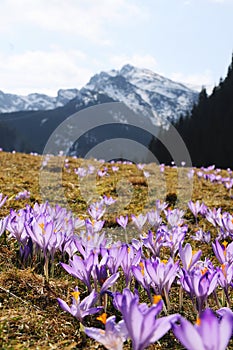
x=87 y=302
x=109 y=282
x=225 y=329
x=188 y=335
x=209 y=326
x=147 y=329
x=134 y=328
x=95 y=333
x=92 y=311
x=63 y=305
x=163 y=324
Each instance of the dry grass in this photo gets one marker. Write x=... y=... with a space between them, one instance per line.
x=29 y=314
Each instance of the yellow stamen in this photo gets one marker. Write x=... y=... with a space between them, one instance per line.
x=128 y=249
x=225 y=243
x=76 y=295
x=156 y=299
x=164 y=261
x=102 y=318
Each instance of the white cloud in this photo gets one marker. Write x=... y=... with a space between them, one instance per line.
x=141 y=61
x=45 y=72
x=195 y=81
x=88 y=19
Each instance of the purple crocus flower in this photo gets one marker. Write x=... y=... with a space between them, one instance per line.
x=96 y=210
x=154 y=218
x=91 y=241
x=40 y=230
x=142 y=276
x=23 y=195
x=101 y=173
x=16 y=226
x=70 y=246
x=154 y=242
x=140 y=166
x=141 y=321
x=223 y=252
x=132 y=257
x=227 y=221
x=94 y=226
x=202 y=236
x=174 y=237
x=174 y=217
x=160 y=206
x=122 y=221
x=115 y=168
x=116 y=254
x=112 y=337
x=195 y=208
x=199 y=283
x=81 y=172
x=162 y=274
x=139 y=221
x=214 y=216
x=188 y=257
x=100 y=275
x=80 y=309
x=81 y=269
x=225 y=278
x=108 y=200
x=210 y=332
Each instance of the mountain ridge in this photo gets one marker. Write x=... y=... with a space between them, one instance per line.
x=150 y=98
x=142 y=90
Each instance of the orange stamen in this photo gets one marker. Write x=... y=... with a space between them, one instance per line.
x=223 y=267
x=42 y=227
x=198 y=321
x=156 y=299
x=224 y=243
x=102 y=318
x=204 y=271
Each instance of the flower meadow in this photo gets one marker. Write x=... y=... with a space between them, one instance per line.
x=164 y=282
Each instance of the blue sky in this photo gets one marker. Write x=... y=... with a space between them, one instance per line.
x=52 y=44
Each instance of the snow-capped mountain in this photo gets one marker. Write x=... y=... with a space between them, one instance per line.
x=34 y=102
x=141 y=90
x=146 y=97
x=145 y=92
